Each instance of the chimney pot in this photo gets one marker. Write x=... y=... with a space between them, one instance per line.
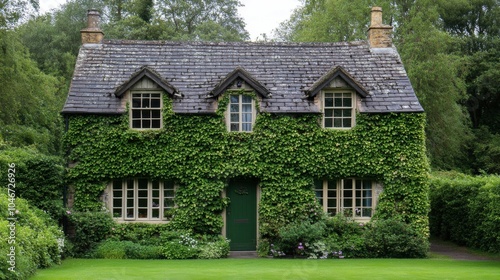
x=379 y=34
x=376 y=16
x=92 y=34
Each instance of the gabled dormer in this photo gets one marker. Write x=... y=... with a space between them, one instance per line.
x=144 y=92
x=241 y=112
x=337 y=94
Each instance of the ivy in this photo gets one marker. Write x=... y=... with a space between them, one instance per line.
x=286 y=153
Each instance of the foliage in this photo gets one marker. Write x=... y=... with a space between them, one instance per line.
x=285 y=152
x=215 y=249
x=393 y=238
x=29 y=104
x=110 y=249
x=142 y=233
x=466 y=210
x=39 y=178
x=87 y=229
x=294 y=237
x=36 y=239
x=185 y=247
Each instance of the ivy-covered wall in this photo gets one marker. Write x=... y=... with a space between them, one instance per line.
x=285 y=152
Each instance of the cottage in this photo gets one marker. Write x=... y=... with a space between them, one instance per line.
x=242 y=138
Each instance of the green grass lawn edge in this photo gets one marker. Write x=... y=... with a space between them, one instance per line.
x=435 y=268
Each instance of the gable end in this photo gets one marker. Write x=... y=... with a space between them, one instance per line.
x=331 y=75
x=145 y=71
x=239 y=73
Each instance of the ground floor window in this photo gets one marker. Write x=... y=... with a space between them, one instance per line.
x=354 y=198
x=142 y=199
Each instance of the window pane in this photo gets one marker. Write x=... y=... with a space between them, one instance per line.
x=235 y=117
x=328 y=113
x=130 y=213
x=337 y=113
x=367 y=202
x=169 y=193
x=347 y=112
x=246 y=99
x=146 y=114
x=117 y=213
x=146 y=124
x=328 y=122
x=337 y=123
x=235 y=108
x=136 y=124
x=155 y=103
x=136 y=114
x=338 y=102
x=332 y=203
x=136 y=103
x=332 y=193
x=348 y=184
x=145 y=102
x=347 y=123
x=155 y=203
x=347 y=203
x=247 y=127
x=347 y=102
x=155 y=214
x=168 y=202
x=143 y=213
x=246 y=118
x=235 y=127
x=328 y=102
x=234 y=99
x=155 y=114
x=366 y=212
x=143 y=203
x=155 y=124
x=247 y=108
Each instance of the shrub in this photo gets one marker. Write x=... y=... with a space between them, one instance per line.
x=182 y=247
x=111 y=250
x=142 y=233
x=216 y=249
x=37 y=239
x=465 y=210
x=144 y=252
x=292 y=239
x=90 y=228
x=39 y=178
x=393 y=238
x=346 y=236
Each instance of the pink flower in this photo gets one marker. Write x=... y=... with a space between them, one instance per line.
x=68 y=212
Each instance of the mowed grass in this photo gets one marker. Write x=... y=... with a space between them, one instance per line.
x=435 y=268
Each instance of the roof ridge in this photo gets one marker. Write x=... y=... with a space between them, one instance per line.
x=246 y=43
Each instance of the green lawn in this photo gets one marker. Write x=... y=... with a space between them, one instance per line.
x=273 y=269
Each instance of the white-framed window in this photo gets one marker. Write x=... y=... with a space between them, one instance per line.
x=142 y=200
x=241 y=113
x=339 y=110
x=355 y=198
x=146 y=108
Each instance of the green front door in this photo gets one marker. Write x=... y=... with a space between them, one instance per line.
x=241 y=215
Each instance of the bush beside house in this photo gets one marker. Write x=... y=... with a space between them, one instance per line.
x=37 y=241
x=466 y=210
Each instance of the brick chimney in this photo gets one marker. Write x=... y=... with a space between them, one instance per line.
x=379 y=35
x=92 y=34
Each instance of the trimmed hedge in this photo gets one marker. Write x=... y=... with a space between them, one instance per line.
x=37 y=241
x=466 y=210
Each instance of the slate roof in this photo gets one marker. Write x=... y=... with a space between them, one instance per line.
x=288 y=71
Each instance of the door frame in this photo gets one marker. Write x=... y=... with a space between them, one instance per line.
x=224 y=218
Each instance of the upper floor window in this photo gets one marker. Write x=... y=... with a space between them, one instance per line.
x=146 y=110
x=338 y=109
x=241 y=113
x=352 y=197
x=142 y=200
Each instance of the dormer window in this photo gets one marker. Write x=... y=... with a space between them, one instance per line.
x=339 y=109
x=146 y=107
x=241 y=113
